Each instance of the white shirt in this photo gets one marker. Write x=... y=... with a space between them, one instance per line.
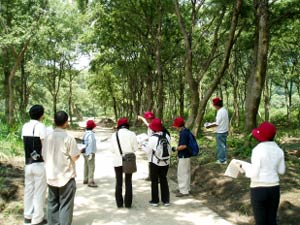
x=39 y=129
x=151 y=146
x=59 y=148
x=267 y=161
x=222 y=121
x=128 y=143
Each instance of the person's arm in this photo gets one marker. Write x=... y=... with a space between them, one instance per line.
x=74 y=151
x=150 y=145
x=281 y=167
x=254 y=168
x=144 y=120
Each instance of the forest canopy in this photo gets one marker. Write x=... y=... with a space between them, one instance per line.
x=168 y=56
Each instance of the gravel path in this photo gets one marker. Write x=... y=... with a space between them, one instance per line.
x=95 y=206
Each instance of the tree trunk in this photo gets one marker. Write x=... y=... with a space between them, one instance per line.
x=224 y=66
x=257 y=76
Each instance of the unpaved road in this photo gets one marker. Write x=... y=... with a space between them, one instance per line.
x=95 y=206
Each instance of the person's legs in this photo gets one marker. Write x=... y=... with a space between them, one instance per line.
x=154 y=183
x=258 y=202
x=53 y=205
x=128 y=190
x=91 y=168
x=40 y=186
x=272 y=204
x=119 y=184
x=184 y=175
x=28 y=192
x=221 y=139
x=66 y=198
x=85 y=170
x=164 y=186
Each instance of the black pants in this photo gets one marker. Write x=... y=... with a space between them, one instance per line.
x=119 y=185
x=61 y=203
x=159 y=173
x=265 y=201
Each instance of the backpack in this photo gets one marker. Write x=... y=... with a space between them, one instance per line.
x=193 y=147
x=163 y=148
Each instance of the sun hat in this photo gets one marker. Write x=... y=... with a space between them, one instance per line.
x=178 y=122
x=122 y=121
x=156 y=125
x=148 y=115
x=216 y=101
x=265 y=132
x=90 y=124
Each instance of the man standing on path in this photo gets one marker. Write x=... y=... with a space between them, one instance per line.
x=60 y=153
x=184 y=160
x=33 y=135
x=222 y=127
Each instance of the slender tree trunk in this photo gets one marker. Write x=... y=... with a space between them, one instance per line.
x=257 y=76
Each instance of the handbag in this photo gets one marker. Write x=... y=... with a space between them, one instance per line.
x=128 y=159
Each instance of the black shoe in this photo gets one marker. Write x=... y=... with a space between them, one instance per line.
x=42 y=222
x=27 y=220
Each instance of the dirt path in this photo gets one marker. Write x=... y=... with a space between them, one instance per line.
x=97 y=206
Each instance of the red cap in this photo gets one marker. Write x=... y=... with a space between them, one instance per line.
x=90 y=124
x=122 y=121
x=156 y=125
x=148 y=115
x=178 y=122
x=265 y=132
x=216 y=100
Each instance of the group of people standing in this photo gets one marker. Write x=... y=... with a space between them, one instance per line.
x=50 y=161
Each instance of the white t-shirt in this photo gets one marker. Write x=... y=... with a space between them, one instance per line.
x=267 y=161
x=128 y=143
x=39 y=129
x=222 y=121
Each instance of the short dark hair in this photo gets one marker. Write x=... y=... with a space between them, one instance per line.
x=60 y=118
x=36 y=112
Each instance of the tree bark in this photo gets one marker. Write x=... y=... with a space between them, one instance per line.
x=257 y=76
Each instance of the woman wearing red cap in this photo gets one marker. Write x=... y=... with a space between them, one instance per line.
x=267 y=162
x=158 y=167
x=128 y=143
x=89 y=154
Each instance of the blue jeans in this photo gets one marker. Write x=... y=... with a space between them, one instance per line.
x=221 y=146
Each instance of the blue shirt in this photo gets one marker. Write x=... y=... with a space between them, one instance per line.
x=184 y=140
x=90 y=142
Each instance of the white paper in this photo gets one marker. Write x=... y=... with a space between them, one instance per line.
x=141 y=138
x=80 y=146
x=233 y=169
x=207 y=124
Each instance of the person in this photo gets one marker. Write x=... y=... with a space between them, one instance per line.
x=267 y=162
x=158 y=168
x=33 y=135
x=128 y=143
x=60 y=153
x=89 y=154
x=147 y=119
x=222 y=127
x=184 y=160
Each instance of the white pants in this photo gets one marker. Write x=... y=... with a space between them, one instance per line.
x=35 y=192
x=184 y=175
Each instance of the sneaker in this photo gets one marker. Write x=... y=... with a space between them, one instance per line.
x=219 y=162
x=166 y=204
x=153 y=204
x=27 y=220
x=92 y=184
x=179 y=195
x=41 y=223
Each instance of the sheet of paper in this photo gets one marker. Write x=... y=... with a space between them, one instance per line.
x=233 y=169
x=81 y=146
x=141 y=138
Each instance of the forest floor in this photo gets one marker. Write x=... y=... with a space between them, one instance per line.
x=226 y=196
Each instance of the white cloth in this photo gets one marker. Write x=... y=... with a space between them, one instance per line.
x=267 y=161
x=59 y=148
x=128 y=143
x=184 y=175
x=35 y=192
x=151 y=146
x=222 y=121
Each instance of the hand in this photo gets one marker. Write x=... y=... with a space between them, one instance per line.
x=140 y=117
x=90 y=157
x=206 y=124
x=174 y=149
